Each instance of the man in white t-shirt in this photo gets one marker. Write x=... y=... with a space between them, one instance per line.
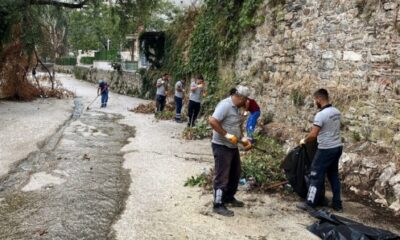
x=161 y=94
x=326 y=161
x=197 y=89
x=179 y=94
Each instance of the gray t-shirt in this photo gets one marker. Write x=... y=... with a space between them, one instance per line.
x=162 y=88
x=180 y=85
x=196 y=95
x=328 y=119
x=228 y=115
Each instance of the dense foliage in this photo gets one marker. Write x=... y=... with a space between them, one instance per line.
x=264 y=165
x=205 y=38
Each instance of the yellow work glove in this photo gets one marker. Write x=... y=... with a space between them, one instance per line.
x=200 y=86
x=246 y=143
x=231 y=138
x=302 y=141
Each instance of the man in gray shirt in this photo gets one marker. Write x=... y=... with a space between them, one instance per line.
x=197 y=89
x=226 y=123
x=162 y=85
x=179 y=92
x=326 y=161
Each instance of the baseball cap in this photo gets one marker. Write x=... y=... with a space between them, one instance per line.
x=243 y=91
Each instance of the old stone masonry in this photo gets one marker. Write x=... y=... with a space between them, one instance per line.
x=351 y=47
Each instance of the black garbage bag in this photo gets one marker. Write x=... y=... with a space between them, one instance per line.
x=333 y=227
x=297 y=166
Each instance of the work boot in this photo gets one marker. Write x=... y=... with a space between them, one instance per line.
x=222 y=210
x=305 y=207
x=233 y=202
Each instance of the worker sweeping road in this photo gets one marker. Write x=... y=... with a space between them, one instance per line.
x=226 y=122
x=103 y=91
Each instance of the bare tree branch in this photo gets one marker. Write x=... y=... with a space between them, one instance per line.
x=80 y=4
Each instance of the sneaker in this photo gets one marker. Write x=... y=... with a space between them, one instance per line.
x=305 y=207
x=178 y=121
x=235 y=203
x=222 y=210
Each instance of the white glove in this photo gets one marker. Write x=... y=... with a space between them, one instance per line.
x=303 y=141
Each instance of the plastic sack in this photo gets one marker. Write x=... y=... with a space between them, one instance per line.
x=333 y=227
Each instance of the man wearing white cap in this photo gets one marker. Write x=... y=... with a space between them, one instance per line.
x=226 y=122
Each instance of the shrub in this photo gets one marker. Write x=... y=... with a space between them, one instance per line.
x=66 y=61
x=87 y=60
x=110 y=55
x=297 y=97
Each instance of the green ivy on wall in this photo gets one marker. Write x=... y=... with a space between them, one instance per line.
x=199 y=40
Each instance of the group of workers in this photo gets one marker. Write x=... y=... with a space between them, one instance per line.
x=226 y=122
x=197 y=91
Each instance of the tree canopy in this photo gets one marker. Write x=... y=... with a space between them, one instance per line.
x=87 y=24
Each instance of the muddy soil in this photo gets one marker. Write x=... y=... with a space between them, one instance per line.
x=73 y=188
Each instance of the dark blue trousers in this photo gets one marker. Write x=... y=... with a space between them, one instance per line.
x=178 y=107
x=160 y=102
x=325 y=163
x=104 y=99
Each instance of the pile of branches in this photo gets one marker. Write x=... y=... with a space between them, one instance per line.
x=165 y=115
x=59 y=93
x=204 y=180
x=144 y=108
x=151 y=108
x=262 y=166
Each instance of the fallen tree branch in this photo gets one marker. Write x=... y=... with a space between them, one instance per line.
x=41 y=63
x=275 y=185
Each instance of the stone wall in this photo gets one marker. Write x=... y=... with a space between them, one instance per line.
x=127 y=83
x=350 y=47
x=64 y=69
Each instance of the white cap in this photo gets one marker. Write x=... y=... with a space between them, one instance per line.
x=243 y=91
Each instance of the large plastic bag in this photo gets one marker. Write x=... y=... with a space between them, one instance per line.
x=333 y=227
